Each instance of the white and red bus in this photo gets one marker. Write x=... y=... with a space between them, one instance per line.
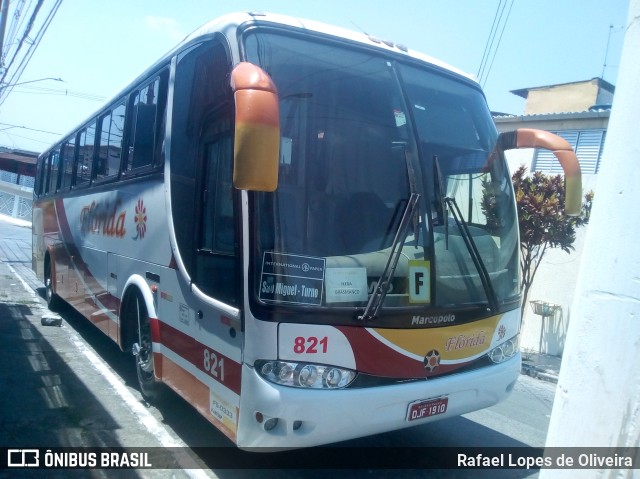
x=307 y=233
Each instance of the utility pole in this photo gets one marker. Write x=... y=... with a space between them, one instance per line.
x=597 y=401
x=4 y=12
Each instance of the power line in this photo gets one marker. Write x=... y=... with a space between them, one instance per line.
x=33 y=45
x=11 y=126
x=35 y=90
x=22 y=41
x=495 y=51
x=11 y=37
x=488 y=42
x=489 y=50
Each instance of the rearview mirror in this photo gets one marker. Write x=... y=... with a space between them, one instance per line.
x=257 y=129
x=532 y=138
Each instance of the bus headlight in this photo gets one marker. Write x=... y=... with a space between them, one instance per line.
x=305 y=375
x=504 y=351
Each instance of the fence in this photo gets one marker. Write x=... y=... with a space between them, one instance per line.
x=16 y=195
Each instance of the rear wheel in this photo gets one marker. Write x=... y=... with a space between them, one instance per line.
x=150 y=387
x=53 y=300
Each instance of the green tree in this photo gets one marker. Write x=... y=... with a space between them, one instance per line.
x=542 y=222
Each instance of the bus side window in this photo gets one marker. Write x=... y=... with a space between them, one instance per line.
x=68 y=157
x=216 y=266
x=110 y=150
x=85 y=155
x=46 y=165
x=146 y=126
x=37 y=189
x=201 y=114
x=54 y=162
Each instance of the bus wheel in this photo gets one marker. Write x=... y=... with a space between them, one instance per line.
x=53 y=301
x=143 y=352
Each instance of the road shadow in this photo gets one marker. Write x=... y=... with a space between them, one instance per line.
x=43 y=403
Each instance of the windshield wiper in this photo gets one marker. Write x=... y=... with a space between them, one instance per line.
x=440 y=193
x=474 y=253
x=384 y=282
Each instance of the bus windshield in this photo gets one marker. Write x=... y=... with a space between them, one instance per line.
x=361 y=133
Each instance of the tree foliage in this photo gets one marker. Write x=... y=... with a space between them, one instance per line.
x=542 y=222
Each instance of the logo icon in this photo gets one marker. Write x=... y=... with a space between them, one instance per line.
x=140 y=219
x=432 y=360
x=23 y=458
x=502 y=331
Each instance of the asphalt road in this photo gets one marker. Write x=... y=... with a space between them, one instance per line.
x=71 y=386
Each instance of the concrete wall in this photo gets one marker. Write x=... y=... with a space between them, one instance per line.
x=568 y=97
x=597 y=402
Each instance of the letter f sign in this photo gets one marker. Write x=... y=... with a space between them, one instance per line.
x=419 y=281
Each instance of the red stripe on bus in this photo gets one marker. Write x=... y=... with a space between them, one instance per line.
x=221 y=368
x=376 y=358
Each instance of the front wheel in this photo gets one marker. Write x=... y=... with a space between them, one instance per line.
x=150 y=387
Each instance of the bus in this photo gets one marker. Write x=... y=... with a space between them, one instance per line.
x=308 y=233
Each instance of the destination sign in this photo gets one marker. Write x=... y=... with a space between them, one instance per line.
x=288 y=278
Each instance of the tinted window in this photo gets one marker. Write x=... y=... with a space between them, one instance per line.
x=200 y=93
x=68 y=157
x=111 y=137
x=85 y=155
x=146 y=127
x=54 y=161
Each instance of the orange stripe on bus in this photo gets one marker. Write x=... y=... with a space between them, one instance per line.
x=192 y=390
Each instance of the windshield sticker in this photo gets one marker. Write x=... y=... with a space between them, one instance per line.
x=419 y=281
x=400 y=117
x=345 y=285
x=288 y=278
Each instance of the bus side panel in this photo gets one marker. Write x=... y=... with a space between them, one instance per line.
x=201 y=354
x=37 y=240
x=197 y=347
x=93 y=267
x=127 y=221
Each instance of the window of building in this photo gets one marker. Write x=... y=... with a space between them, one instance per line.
x=588 y=145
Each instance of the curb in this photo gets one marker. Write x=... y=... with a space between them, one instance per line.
x=542 y=374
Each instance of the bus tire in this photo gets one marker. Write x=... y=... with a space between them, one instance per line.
x=53 y=300
x=149 y=386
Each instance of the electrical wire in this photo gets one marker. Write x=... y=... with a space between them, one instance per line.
x=35 y=90
x=22 y=41
x=489 y=41
x=495 y=51
x=490 y=51
x=9 y=126
x=33 y=45
x=12 y=34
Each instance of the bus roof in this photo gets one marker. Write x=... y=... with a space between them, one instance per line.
x=234 y=20
x=228 y=25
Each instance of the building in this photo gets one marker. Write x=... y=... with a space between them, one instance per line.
x=567 y=97
x=578 y=112
x=17 y=177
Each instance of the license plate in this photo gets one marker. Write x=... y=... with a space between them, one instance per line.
x=427 y=408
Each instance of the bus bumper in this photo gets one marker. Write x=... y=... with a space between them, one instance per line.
x=313 y=417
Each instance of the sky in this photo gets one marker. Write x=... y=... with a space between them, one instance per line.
x=97 y=47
